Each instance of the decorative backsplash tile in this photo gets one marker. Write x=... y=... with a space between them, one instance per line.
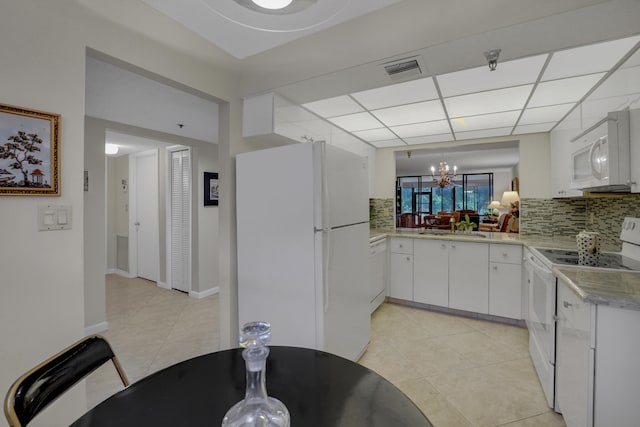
x=381 y=213
x=567 y=217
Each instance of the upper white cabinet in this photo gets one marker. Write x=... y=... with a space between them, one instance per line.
x=561 y=149
x=635 y=149
x=272 y=119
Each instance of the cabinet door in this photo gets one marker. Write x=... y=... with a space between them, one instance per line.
x=431 y=272
x=561 y=150
x=505 y=290
x=469 y=276
x=574 y=359
x=401 y=276
x=378 y=264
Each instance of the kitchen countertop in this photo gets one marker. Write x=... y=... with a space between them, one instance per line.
x=508 y=238
x=604 y=287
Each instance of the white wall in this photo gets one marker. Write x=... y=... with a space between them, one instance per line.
x=534 y=168
x=42 y=285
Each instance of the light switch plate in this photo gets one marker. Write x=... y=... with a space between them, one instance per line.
x=54 y=217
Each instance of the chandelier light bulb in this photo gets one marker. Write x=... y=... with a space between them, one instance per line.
x=272 y=4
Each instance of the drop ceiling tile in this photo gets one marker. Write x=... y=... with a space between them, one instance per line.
x=511 y=73
x=388 y=143
x=534 y=128
x=590 y=59
x=563 y=91
x=332 y=107
x=492 y=101
x=485 y=121
x=429 y=139
x=411 y=113
x=552 y=113
x=356 y=122
x=397 y=94
x=486 y=133
x=421 y=129
x=375 y=135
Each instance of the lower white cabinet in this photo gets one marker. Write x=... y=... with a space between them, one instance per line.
x=505 y=280
x=597 y=354
x=574 y=359
x=401 y=268
x=469 y=276
x=378 y=273
x=431 y=272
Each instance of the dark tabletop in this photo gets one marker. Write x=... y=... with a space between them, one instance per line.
x=318 y=388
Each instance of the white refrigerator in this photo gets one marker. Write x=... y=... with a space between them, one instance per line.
x=303 y=245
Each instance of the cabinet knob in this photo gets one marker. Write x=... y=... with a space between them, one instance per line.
x=401 y=245
x=504 y=254
x=443 y=246
x=495 y=267
x=453 y=246
x=566 y=304
x=408 y=258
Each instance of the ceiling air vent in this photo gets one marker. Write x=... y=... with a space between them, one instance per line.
x=403 y=68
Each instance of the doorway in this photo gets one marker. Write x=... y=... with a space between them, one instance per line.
x=144 y=224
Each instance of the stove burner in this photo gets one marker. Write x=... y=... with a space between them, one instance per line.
x=609 y=260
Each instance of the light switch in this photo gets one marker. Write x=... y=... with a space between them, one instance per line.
x=54 y=217
x=48 y=218
x=62 y=216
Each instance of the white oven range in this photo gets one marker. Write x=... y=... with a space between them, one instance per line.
x=541 y=291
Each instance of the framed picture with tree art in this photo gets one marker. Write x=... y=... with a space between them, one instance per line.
x=29 y=152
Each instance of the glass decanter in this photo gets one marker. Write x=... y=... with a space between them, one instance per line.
x=257 y=409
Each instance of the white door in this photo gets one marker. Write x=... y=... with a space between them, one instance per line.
x=180 y=221
x=144 y=189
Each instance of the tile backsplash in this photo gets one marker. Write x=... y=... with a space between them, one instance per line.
x=567 y=217
x=381 y=213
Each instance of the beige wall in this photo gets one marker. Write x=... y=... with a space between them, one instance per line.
x=534 y=169
x=42 y=289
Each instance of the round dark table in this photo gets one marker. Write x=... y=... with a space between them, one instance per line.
x=318 y=388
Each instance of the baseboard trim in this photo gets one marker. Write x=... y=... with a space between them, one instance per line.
x=204 y=294
x=96 y=329
x=163 y=285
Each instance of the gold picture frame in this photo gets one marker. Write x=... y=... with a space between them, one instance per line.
x=29 y=152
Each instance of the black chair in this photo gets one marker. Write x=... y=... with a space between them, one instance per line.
x=39 y=387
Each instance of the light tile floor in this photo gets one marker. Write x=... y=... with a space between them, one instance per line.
x=461 y=372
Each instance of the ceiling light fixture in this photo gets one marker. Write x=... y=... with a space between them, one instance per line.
x=273 y=4
x=110 y=149
x=492 y=58
x=444 y=178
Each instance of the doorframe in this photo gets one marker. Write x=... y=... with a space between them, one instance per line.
x=133 y=235
x=168 y=178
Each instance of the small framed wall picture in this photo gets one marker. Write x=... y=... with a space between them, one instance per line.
x=29 y=156
x=211 y=189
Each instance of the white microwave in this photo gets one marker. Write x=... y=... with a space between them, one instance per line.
x=601 y=162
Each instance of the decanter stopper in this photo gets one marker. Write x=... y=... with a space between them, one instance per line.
x=257 y=409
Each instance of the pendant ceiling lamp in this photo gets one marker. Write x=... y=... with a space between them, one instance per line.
x=444 y=178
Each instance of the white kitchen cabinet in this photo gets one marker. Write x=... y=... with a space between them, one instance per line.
x=401 y=268
x=431 y=272
x=378 y=273
x=597 y=353
x=505 y=280
x=561 y=149
x=634 y=121
x=469 y=276
x=574 y=359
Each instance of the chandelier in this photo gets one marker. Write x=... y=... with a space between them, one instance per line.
x=443 y=179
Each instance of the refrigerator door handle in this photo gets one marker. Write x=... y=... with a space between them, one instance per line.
x=326 y=242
